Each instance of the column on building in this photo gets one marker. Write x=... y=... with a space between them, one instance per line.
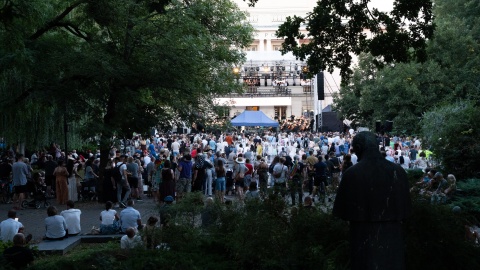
x=269 y=44
x=261 y=44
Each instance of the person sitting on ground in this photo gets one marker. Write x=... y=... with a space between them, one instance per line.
x=56 y=227
x=72 y=218
x=110 y=220
x=130 y=217
x=150 y=236
x=252 y=193
x=10 y=227
x=18 y=256
x=130 y=240
x=308 y=203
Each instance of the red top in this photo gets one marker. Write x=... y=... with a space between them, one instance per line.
x=229 y=140
x=249 y=167
x=194 y=153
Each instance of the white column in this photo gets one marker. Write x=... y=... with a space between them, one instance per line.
x=269 y=44
x=261 y=45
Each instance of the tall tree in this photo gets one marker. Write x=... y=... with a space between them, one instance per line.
x=119 y=66
x=337 y=29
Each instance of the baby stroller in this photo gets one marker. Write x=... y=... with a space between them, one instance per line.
x=87 y=191
x=38 y=194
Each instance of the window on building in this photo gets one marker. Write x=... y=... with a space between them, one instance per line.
x=252 y=108
x=280 y=112
x=307 y=88
x=252 y=48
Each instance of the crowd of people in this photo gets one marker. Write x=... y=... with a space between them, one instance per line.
x=172 y=165
x=166 y=167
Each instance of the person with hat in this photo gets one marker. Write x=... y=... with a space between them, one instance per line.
x=239 y=170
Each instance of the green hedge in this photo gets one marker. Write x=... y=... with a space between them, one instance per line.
x=269 y=235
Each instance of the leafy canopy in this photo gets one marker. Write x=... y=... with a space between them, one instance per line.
x=336 y=29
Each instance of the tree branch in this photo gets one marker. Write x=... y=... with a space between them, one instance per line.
x=74 y=30
x=53 y=23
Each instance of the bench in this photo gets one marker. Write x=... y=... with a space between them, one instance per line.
x=63 y=246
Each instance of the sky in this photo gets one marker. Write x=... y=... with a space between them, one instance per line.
x=382 y=5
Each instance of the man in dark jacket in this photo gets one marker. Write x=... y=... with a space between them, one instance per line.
x=374 y=196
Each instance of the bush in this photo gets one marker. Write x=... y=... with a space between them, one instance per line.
x=453 y=133
x=269 y=235
x=468 y=197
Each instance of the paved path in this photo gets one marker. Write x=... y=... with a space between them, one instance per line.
x=33 y=219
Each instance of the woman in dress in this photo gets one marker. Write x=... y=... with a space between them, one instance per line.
x=72 y=183
x=61 y=175
x=140 y=179
x=167 y=187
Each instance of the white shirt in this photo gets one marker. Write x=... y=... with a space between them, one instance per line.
x=146 y=160
x=8 y=229
x=72 y=218
x=175 y=146
x=128 y=243
x=123 y=167
x=108 y=216
x=354 y=159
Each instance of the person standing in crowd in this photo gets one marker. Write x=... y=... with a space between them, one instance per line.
x=109 y=185
x=61 y=175
x=220 y=183
x=132 y=169
x=50 y=166
x=19 y=179
x=167 y=187
x=184 y=183
x=90 y=175
x=122 y=182
x=72 y=218
x=280 y=177
x=239 y=170
x=199 y=172
x=262 y=172
x=374 y=197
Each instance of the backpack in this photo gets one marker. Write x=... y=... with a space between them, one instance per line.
x=270 y=168
x=116 y=174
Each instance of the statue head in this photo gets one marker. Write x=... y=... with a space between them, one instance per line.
x=365 y=143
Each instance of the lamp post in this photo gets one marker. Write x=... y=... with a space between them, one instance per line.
x=236 y=71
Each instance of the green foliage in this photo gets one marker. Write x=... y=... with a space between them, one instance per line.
x=468 y=197
x=452 y=132
x=270 y=235
x=436 y=239
x=114 y=67
x=404 y=92
x=414 y=175
x=336 y=29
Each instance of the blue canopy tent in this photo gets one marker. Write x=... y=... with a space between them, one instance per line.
x=253 y=119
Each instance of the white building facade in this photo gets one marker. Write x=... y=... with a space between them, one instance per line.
x=275 y=83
